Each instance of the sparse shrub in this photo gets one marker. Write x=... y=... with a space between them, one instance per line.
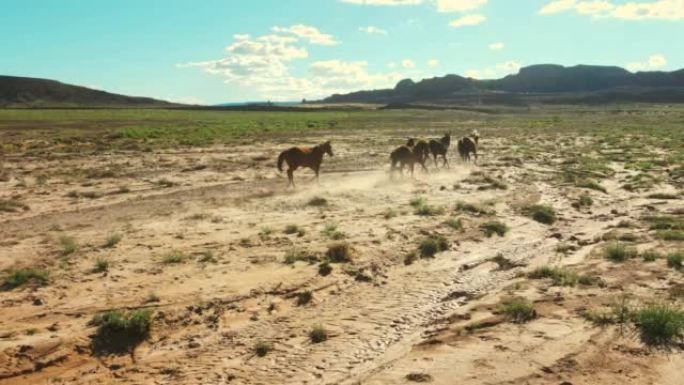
x=21 y=277
x=67 y=245
x=494 y=227
x=675 y=259
x=419 y=377
x=339 y=252
x=432 y=245
x=151 y=297
x=583 y=201
x=560 y=276
x=410 y=258
x=296 y=254
x=12 y=205
x=332 y=232
x=618 y=252
x=389 y=214
x=304 y=297
x=318 y=334
x=650 y=255
x=671 y=235
x=165 y=182
x=262 y=348
x=677 y=290
x=324 y=269
x=454 y=223
x=518 y=310
x=590 y=184
x=291 y=229
x=173 y=257
x=427 y=210
x=541 y=213
x=473 y=209
x=318 y=202
x=119 y=331
x=101 y=265
x=662 y=196
x=665 y=223
x=660 y=323
x=113 y=240
x=417 y=202
x=265 y=232
x=207 y=257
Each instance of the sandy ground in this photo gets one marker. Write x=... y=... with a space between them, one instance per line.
x=225 y=210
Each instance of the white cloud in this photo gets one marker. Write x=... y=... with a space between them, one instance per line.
x=632 y=10
x=307 y=32
x=497 y=46
x=468 y=20
x=433 y=63
x=408 y=63
x=372 y=30
x=496 y=71
x=459 y=5
x=384 y=2
x=261 y=65
x=654 y=62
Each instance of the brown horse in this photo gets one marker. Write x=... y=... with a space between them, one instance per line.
x=310 y=157
x=410 y=155
x=466 y=146
x=440 y=148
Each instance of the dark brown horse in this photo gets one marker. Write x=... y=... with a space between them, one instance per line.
x=410 y=155
x=310 y=157
x=467 y=145
x=440 y=148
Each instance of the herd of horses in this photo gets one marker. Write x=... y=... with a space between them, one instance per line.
x=415 y=151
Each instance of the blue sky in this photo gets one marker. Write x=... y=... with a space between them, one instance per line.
x=213 y=51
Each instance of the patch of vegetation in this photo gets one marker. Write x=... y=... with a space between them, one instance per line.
x=165 y=183
x=112 y=240
x=518 y=310
x=560 y=276
x=665 y=222
x=675 y=259
x=318 y=202
x=262 y=348
x=332 y=232
x=421 y=207
x=339 y=252
x=389 y=214
x=650 y=255
x=207 y=257
x=324 y=269
x=294 y=229
x=473 y=209
x=671 y=235
x=173 y=257
x=119 y=331
x=304 y=297
x=590 y=184
x=618 y=252
x=296 y=254
x=541 y=213
x=22 y=277
x=318 y=334
x=432 y=245
x=494 y=227
x=583 y=201
x=454 y=223
x=101 y=265
x=419 y=377
x=12 y=205
x=410 y=258
x=660 y=323
x=67 y=245
x=265 y=232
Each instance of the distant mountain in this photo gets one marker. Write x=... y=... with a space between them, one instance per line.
x=33 y=92
x=547 y=83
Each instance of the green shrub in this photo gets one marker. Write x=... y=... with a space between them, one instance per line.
x=119 y=331
x=541 y=213
x=296 y=254
x=262 y=348
x=671 y=235
x=432 y=245
x=618 y=252
x=560 y=276
x=583 y=201
x=494 y=227
x=518 y=310
x=454 y=223
x=21 y=277
x=318 y=334
x=112 y=240
x=339 y=253
x=173 y=257
x=324 y=269
x=590 y=184
x=304 y=297
x=318 y=202
x=675 y=259
x=473 y=209
x=12 y=205
x=660 y=324
x=67 y=245
x=101 y=265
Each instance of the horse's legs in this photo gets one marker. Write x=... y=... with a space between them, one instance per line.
x=434 y=157
x=290 y=177
x=316 y=169
x=423 y=165
x=446 y=162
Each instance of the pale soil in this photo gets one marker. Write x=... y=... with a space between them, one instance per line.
x=399 y=319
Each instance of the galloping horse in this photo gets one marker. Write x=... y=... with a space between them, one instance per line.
x=310 y=157
x=408 y=155
x=468 y=145
x=440 y=148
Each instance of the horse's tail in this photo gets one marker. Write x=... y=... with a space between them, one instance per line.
x=281 y=159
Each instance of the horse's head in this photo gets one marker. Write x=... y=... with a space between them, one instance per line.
x=446 y=139
x=327 y=148
x=476 y=136
x=411 y=142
